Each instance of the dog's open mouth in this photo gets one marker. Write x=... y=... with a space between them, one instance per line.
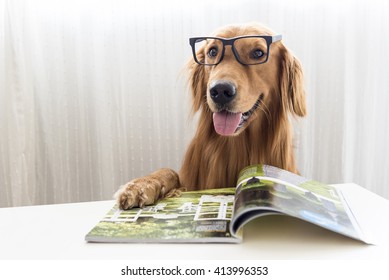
x=227 y=123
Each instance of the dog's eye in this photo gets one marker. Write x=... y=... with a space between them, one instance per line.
x=212 y=53
x=257 y=54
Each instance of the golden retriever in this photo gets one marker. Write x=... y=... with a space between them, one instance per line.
x=245 y=90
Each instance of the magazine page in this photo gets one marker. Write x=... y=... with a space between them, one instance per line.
x=264 y=190
x=199 y=216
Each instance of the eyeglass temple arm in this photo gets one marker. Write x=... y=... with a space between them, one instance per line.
x=276 y=38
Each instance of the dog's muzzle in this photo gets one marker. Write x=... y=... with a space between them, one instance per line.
x=226 y=120
x=222 y=93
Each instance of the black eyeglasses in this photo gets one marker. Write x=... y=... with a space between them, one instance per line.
x=248 y=50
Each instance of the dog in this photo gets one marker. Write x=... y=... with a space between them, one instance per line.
x=245 y=85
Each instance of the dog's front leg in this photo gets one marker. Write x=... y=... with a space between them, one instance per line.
x=147 y=190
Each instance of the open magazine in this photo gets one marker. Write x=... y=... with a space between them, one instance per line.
x=218 y=215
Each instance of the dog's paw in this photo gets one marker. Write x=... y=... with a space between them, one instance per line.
x=147 y=190
x=138 y=193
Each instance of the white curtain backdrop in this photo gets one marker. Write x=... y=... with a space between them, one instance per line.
x=92 y=93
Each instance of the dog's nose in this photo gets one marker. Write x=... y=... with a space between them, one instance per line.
x=222 y=92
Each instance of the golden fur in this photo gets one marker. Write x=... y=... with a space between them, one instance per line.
x=214 y=161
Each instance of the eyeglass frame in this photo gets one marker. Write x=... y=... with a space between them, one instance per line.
x=230 y=42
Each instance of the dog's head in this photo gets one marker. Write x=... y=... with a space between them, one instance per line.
x=245 y=73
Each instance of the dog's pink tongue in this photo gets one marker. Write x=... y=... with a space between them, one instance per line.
x=225 y=123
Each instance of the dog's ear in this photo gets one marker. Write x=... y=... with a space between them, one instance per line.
x=198 y=83
x=292 y=85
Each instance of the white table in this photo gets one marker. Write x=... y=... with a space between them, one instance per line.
x=57 y=232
